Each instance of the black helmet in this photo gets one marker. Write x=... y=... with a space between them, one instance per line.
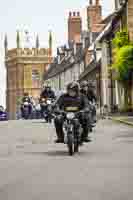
x=84 y=84
x=74 y=86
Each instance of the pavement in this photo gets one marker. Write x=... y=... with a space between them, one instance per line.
x=32 y=167
x=123 y=119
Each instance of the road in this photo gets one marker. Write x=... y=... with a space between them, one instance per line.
x=32 y=167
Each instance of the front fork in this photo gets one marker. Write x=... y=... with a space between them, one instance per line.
x=74 y=130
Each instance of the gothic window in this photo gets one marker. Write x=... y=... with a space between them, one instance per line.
x=35 y=75
x=35 y=78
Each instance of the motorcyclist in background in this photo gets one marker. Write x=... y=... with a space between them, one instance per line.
x=88 y=90
x=92 y=98
x=26 y=98
x=47 y=92
x=91 y=93
x=72 y=99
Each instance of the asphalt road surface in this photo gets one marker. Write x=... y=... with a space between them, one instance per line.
x=32 y=167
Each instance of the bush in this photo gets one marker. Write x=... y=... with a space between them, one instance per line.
x=124 y=62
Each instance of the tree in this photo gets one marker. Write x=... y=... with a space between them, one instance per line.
x=123 y=61
x=121 y=39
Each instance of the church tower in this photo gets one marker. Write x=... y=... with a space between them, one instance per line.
x=25 y=69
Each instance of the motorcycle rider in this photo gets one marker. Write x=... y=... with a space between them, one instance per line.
x=92 y=98
x=91 y=93
x=24 y=99
x=88 y=90
x=47 y=92
x=72 y=99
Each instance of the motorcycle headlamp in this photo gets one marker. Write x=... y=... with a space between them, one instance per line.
x=48 y=102
x=70 y=115
x=26 y=103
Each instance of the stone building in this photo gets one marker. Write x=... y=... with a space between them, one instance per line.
x=66 y=69
x=25 y=69
x=112 y=91
x=73 y=61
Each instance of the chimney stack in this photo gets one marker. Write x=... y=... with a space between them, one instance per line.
x=94 y=15
x=74 y=26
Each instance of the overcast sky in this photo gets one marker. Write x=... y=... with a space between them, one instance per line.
x=38 y=17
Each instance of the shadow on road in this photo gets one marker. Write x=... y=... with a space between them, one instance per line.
x=60 y=153
x=39 y=122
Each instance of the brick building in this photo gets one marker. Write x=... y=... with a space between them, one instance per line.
x=72 y=63
x=25 y=69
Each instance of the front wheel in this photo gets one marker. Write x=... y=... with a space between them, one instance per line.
x=50 y=120
x=70 y=145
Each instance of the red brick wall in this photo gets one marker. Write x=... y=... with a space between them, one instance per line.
x=94 y=16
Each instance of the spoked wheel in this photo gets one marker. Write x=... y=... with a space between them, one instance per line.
x=76 y=147
x=50 y=119
x=26 y=116
x=70 y=145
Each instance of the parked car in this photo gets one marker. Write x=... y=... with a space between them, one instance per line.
x=3 y=114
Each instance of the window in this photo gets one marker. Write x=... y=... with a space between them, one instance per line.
x=35 y=75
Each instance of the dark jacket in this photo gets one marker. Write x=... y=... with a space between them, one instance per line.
x=89 y=94
x=65 y=102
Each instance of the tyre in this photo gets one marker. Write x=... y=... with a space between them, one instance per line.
x=26 y=116
x=70 y=145
x=46 y=119
x=50 y=120
x=76 y=147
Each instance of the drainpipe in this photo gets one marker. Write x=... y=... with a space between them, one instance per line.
x=59 y=81
x=111 y=77
x=99 y=76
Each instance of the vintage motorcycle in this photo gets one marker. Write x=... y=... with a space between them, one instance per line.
x=72 y=131
x=26 y=109
x=46 y=109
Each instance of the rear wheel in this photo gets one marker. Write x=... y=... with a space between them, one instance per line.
x=76 y=147
x=26 y=115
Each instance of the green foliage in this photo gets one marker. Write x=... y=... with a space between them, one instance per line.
x=123 y=58
x=18 y=100
x=124 y=62
x=121 y=39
